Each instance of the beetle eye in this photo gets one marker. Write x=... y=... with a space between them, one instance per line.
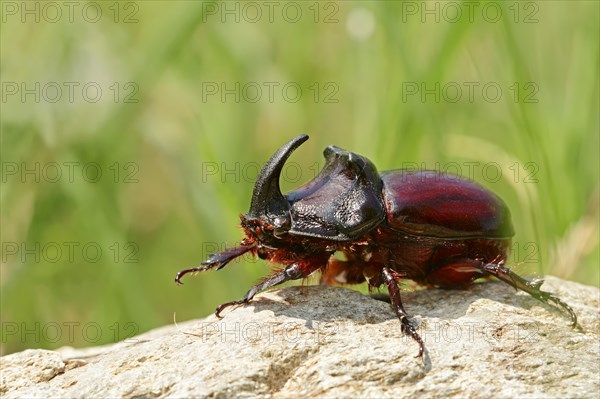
x=280 y=226
x=280 y=222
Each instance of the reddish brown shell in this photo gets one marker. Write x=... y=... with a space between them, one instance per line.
x=433 y=204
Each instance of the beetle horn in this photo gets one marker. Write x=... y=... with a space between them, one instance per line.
x=267 y=198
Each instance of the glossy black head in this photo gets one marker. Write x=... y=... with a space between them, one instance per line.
x=342 y=203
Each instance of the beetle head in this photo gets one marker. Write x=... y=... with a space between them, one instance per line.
x=341 y=204
x=269 y=209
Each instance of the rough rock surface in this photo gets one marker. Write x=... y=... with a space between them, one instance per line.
x=333 y=342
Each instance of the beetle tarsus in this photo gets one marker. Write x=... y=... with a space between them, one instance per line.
x=221 y=307
x=563 y=305
x=389 y=277
x=218 y=260
x=182 y=273
x=294 y=271
x=503 y=273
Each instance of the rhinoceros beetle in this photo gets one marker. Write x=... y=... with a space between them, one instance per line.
x=433 y=228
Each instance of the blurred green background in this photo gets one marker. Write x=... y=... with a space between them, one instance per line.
x=132 y=133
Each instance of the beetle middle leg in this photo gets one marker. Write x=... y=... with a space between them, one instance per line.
x=389 y=278
x=297 y=270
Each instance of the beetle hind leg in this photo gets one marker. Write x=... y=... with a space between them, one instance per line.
x=503 y=273
x=390 y=279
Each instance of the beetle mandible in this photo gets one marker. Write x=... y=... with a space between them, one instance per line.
x=433 y=228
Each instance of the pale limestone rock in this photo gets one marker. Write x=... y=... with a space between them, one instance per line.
x=333 y=342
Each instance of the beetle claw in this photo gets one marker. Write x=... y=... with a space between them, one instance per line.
x=221 y=307
x=182 y=273
x=566 y=307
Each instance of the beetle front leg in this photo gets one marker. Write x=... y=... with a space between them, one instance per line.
x=389 y=278
x=531 y=287
x=295 y=271
x=218 y=260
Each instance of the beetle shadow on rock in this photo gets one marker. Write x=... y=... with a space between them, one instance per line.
x=421 y=303
x=306 y=303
